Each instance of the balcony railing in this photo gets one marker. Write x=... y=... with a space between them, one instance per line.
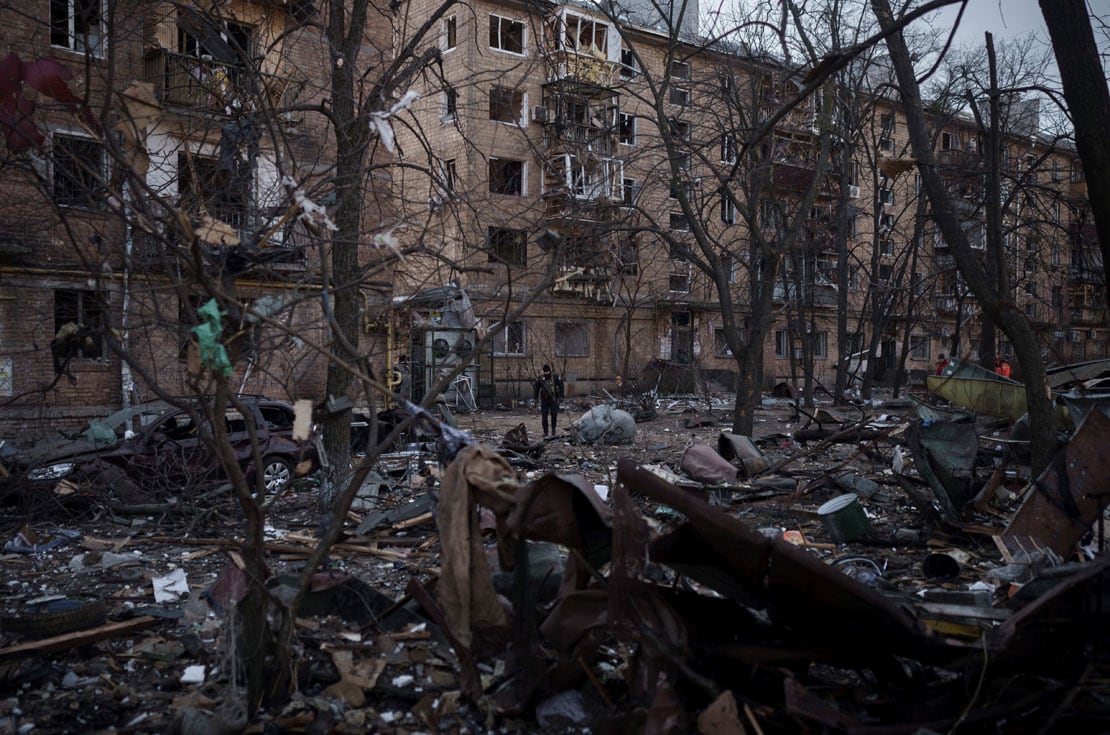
x=571 y=66
x=575 y=137
x=213 y=86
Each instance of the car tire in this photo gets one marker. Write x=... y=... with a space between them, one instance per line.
x=56 y=617
x=277 y=474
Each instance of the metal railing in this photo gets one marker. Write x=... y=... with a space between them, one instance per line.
x=214 y=86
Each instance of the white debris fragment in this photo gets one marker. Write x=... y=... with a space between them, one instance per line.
x=171 y=587
x=193 y=675
x=313 y=215
x=379 y=121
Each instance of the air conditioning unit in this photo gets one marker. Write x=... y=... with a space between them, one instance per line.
x=540 y=114
x=853 y=191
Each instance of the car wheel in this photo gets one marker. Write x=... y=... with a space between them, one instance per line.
x=277 y=474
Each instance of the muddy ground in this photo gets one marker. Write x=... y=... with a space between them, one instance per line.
x=167 y=670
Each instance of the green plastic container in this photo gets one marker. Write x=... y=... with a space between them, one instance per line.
x=844 y=519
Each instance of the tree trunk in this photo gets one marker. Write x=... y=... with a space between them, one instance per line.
x=1000 y=308
x=1085 y=90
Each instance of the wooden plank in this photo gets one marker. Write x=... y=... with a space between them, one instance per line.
x=79 y=638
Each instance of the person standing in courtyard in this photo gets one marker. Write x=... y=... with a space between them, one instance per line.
x=548 y=390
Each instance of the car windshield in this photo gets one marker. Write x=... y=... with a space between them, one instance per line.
x=111 y=429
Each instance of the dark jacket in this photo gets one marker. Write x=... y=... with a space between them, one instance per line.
x=548 y=388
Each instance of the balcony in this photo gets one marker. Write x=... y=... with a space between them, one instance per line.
x=947 y=304
x=559 y=136
x=590 y=71
x=587 y=281
x=182 y=80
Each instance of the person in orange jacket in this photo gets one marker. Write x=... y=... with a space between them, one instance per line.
x=1001 y=366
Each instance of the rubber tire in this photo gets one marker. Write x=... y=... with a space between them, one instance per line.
x=56 y=617
x=276 y=469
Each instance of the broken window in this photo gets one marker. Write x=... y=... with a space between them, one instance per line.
x=78 y=168
x=78 y=325
x=782 y=343
x=572 y=339
x=450 y=33
x=626 y=129
x=204 y=183
x=919 y=347
x=629 y=191
x=720 y=343
x=628 y=257
x=507 y=246
x=506 y=176
x=78 y=25
x=506 y=105
x=728 y=148
x=629 y=67
x=728 y=210
x=450 y=104
x=510 y=340
x=585 y=36
x=506 y=35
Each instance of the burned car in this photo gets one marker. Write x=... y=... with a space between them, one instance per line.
x=162 y=447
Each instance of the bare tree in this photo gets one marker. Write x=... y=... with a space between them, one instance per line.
x=999 y=306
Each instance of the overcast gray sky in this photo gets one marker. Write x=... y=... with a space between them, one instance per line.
x=1009 y=19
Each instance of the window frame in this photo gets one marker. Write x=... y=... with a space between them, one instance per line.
x=579 y=22
x=562 y=336
x=521 y=188
x=450 y=30
x=727 y=210
x=728 y=148
x=498 y=246
x=679 y=96
x=87 y=199
x=500 y=344
x=73 y=41
x=98 y=352
x=501 y=21
x=450 y=105
x=682 y=67
x=630 y=119
x=630 y=191
x=630 y=68
x=505 y=99
x=921 y=348
x=782 y=344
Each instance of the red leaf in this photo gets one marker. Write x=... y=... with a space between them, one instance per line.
x=20 y=132
x=11 y=77
x=49 y=77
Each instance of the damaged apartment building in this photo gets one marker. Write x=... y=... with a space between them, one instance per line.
x=162 y=167
x=587 y=147
x=552 y=144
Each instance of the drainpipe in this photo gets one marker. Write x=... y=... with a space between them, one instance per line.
x=127 y=379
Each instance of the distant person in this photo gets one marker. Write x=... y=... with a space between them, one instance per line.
x=548 y=390
x=942 y=363
x=1001 y=366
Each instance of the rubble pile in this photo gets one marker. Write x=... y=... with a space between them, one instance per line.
x=892 y=569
